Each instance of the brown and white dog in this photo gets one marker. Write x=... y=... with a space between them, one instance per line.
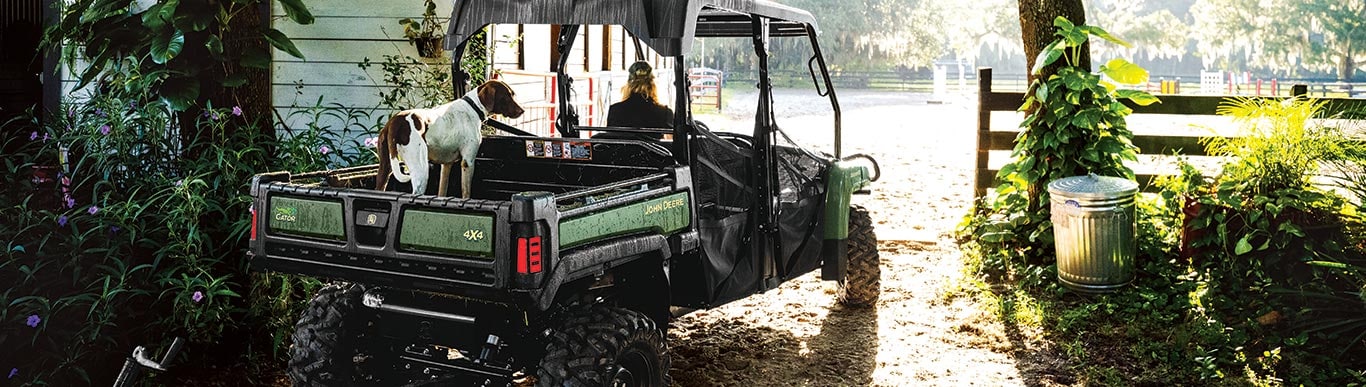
x=445 y=135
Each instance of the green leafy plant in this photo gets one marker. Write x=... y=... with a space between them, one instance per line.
x=1075 y=126
x=1265 y=190
x=427 y=34
x=184 y=49
x=412 y=83
x=113 y=238
x=1078 y=125
x=415 y=84
x=1280 y=146
x=1271 y=245
x=1272 y=292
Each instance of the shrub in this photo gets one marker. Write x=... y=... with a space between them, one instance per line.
x=113 y=239
x=1272 y=251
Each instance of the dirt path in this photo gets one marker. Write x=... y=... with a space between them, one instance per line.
x=797 y=336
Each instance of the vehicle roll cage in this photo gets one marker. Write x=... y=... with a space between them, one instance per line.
x=666 y=26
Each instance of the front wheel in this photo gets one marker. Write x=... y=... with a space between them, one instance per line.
x=863 y=282
x=605 y=346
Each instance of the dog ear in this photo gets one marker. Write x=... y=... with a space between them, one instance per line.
x=400 y=128
x=488 y=96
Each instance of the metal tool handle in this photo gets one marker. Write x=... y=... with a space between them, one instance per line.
x=133 y=365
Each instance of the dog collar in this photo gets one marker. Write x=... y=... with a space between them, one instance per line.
x=475 y=106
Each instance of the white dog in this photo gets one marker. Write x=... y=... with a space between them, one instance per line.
x=445 y=134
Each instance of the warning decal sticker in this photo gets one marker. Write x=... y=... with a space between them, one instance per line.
x=552 y=149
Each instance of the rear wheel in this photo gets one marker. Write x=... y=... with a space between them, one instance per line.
x=605 y=346
x=327 y=337
x=863 y=282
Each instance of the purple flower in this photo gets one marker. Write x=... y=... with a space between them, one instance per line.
x=132 y=104
x=371 y=142
x=71 y=113
x=70 y=202
x=324 y=149
x=179 y=182
x=100 y=112
x=33 y=136
x=61 y=221
x=104 y=129
x=45 y=137
x=13 y=372
x=198 y=296
x=93 y=209
x=237 y=111
x=33 y=321
x=114 y=229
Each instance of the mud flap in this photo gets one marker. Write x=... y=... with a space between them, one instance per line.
x=836 y=259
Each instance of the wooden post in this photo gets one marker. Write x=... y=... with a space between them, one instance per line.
x=521 y=48
x=979 y=187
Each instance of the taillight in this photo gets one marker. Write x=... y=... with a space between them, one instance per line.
x=253 y=223
x=529 y=255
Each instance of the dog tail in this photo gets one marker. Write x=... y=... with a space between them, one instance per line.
x=398 y=172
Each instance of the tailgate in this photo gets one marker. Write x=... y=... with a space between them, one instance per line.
x=384 y=238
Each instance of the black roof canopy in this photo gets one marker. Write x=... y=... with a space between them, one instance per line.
x=667 y=26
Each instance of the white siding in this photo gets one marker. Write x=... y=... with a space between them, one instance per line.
x=340 y=40
x=345 y=34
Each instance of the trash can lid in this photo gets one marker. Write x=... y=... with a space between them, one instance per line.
x=1092 y=186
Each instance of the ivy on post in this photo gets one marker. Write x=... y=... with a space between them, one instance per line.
x=1074 y=125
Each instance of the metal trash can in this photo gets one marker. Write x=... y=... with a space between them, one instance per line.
x=1093 y=230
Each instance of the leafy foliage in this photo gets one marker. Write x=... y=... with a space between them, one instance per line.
x=412 y=83
x=113 y=239
x=1270 y=245
x=178 y=43
x=1322 y=35
x=1253 y=276
x=1075 y=126
x=416 y=84
x=427 y=28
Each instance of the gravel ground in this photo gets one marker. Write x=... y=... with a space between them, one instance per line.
x=916 y=335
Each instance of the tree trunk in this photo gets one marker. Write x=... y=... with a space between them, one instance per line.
x=243 y=33
x=1036 y=30
x=1347 y=68
x=255 y=97
x=1036 y=33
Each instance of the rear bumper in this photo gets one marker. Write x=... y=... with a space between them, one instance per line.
x=366 y=269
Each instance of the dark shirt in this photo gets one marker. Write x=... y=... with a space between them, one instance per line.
x=638 y=113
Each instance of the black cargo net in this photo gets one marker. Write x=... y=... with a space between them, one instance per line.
x=725 y=197
x=801 y=205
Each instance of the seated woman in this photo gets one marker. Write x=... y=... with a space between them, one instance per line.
x=640 y=107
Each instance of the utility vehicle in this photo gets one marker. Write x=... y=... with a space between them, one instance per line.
x=572 y=254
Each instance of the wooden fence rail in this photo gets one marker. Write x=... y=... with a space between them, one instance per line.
x=988 y=140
